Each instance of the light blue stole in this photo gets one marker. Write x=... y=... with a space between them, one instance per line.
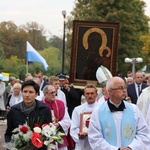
x=108 y=125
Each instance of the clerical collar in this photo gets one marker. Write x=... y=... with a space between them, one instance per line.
x=114 y=103
x=114 y=108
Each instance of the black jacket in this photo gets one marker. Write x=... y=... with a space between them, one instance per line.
x=73 y=99
x=15 y=117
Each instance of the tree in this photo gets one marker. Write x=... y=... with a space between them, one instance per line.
x=13 y=39
x=37 y=36
x=56 y=41
x=8 y=32
x=130 y=15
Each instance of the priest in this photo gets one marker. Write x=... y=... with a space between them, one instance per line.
x=116 y=124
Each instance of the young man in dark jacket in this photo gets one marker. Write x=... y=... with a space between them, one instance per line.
x=30 y=111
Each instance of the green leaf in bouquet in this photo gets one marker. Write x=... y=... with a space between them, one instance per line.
x=55 y=138
x=60 y=141
x=60 y=134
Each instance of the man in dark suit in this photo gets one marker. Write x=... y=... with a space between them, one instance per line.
x=134 y=90
x=39 y=74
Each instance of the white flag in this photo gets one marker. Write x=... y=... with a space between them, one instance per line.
x=34 y=56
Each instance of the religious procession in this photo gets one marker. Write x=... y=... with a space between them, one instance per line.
x=88 y=89
x=111 y=116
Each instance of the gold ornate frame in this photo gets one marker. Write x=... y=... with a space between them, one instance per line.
x=93 y=44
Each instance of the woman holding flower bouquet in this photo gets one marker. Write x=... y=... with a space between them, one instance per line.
x=59 y=113
x=28 y=114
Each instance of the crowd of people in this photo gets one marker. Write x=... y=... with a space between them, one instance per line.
x=116 y=117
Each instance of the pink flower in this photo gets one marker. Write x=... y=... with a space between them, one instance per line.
x=36 y=140
x=45 y=125
x=24 y=129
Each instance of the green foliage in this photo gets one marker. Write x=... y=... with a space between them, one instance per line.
x=14 y=66
x=17 y=67
x=13 y=48
x=56 y=41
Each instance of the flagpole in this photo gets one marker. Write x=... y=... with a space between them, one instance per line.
x=26 y=67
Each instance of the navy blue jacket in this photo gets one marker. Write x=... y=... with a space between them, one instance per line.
x=131 y=91
x=44 y=84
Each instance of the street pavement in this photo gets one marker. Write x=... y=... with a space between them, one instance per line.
x=2 y=131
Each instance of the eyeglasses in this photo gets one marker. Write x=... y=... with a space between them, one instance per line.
x=53 y=92
x=119 y=88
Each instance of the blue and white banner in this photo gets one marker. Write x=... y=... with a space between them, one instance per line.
x=34 y=56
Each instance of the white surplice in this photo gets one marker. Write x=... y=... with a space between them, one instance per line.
x=141 y=140
x=143 y=101
x=65 y=124
x=61 y=96
x=148 y=117
x=101 y=100
x=81 y=144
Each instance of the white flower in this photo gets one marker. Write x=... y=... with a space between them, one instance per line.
x=15 y=136
x=37 y=130
x=22 y=135
x=16 y=130
x=48 y=142
x=49 y=130
x=27 y=136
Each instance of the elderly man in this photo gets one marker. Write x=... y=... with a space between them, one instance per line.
x=81 y=136
x=116 y=124
x=59 y=112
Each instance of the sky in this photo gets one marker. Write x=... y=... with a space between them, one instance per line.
x=45 y=12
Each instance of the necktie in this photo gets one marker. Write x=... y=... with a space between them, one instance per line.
x=139 y=91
